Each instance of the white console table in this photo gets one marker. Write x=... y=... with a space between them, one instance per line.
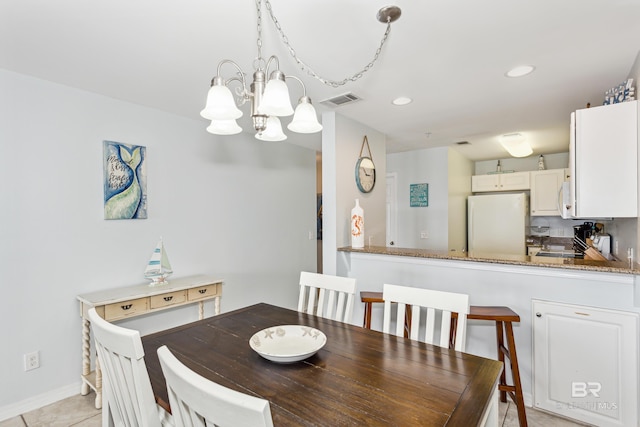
x=131 y=301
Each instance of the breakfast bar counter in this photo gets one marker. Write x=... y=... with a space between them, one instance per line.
x=517 y=282
x=620 y=267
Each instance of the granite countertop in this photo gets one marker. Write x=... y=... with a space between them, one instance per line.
x=528 y=261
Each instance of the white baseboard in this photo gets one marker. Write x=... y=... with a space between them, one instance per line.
x=528 y=399
x=35 y=402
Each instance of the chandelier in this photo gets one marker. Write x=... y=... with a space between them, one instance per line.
x=269 y=98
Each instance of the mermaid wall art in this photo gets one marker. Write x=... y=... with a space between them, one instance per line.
x=125 y=181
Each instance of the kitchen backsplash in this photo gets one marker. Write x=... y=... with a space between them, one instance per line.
x=550 y=242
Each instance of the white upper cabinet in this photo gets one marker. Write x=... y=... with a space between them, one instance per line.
x=500 y=182
x=603 y=157
x=546 y=187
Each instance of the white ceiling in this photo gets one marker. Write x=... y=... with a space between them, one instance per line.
x=449 y=56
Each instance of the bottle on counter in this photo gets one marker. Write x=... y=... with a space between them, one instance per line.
x=357 y=226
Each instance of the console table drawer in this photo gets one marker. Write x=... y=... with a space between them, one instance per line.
x=207 y=291
x=165 y=300
x=123 y=309
x=127 y=302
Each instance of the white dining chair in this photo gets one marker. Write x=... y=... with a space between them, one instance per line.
x=327 y=296
x=197 y=402
x=445 y=303
x=128 y=399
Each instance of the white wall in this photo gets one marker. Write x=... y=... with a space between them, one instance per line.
x=341 y=144
x=416 y=167
x=551 y=161
x=460 y=172
x=232 y=207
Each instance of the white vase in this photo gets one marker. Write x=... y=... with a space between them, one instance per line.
x=357 y=226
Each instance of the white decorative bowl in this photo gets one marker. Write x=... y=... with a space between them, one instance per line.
x=287 y=343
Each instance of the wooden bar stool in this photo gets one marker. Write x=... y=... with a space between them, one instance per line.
x=504 y=317
x=368 y=298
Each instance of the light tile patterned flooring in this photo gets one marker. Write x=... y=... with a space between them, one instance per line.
x=79 y=411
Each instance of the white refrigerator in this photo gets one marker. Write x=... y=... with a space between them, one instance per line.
x=497 y=224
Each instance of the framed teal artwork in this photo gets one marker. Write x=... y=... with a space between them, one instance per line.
x=418 y=195
x=125 y=181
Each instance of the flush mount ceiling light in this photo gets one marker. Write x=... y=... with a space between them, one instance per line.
x=269 y=98
x=520 y=71
x=516 y=145
x=402 y=100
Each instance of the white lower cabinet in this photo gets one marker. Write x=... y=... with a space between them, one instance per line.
x=586 y=363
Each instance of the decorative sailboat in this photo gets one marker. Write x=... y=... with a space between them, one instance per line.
x=158 y=267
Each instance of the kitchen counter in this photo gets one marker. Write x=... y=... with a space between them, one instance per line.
x=510 y=281
x=529 y=261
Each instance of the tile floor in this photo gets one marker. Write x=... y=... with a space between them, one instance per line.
x=78 y=411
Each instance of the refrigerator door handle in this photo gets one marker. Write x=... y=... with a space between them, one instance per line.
x=470 y=231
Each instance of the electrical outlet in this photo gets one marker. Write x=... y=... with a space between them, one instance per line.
x=424 y=235
x=31 y=360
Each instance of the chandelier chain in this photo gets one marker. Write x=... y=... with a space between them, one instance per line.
x=303 y=66
x=259 y=26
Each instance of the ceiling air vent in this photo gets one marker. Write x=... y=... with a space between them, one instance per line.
x=340 y=100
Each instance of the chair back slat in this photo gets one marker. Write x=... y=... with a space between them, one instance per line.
x=128 y=397
x=198 y=402
x=332 y=311
x=335 y=296
x=435 y=302
x=445 y=329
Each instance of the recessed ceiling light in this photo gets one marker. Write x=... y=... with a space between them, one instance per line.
x=402 y=100
x=520 y=71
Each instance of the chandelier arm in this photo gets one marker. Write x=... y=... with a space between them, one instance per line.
x=242 y=93
x=304 y=67
x=240 y=73
x=272 y=58
x=304 y=89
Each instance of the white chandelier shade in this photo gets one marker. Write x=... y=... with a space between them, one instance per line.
x=273 y=131
x=220 y=104
x=275 y=99
x=305 y=119
x=224 y=127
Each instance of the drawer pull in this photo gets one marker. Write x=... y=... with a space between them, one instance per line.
x=126 y=307
x=202 y=291
x=167 y=299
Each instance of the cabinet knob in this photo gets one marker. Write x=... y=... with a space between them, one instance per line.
x=538 y=314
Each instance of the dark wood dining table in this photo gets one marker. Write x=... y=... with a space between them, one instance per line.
x=359 y=377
